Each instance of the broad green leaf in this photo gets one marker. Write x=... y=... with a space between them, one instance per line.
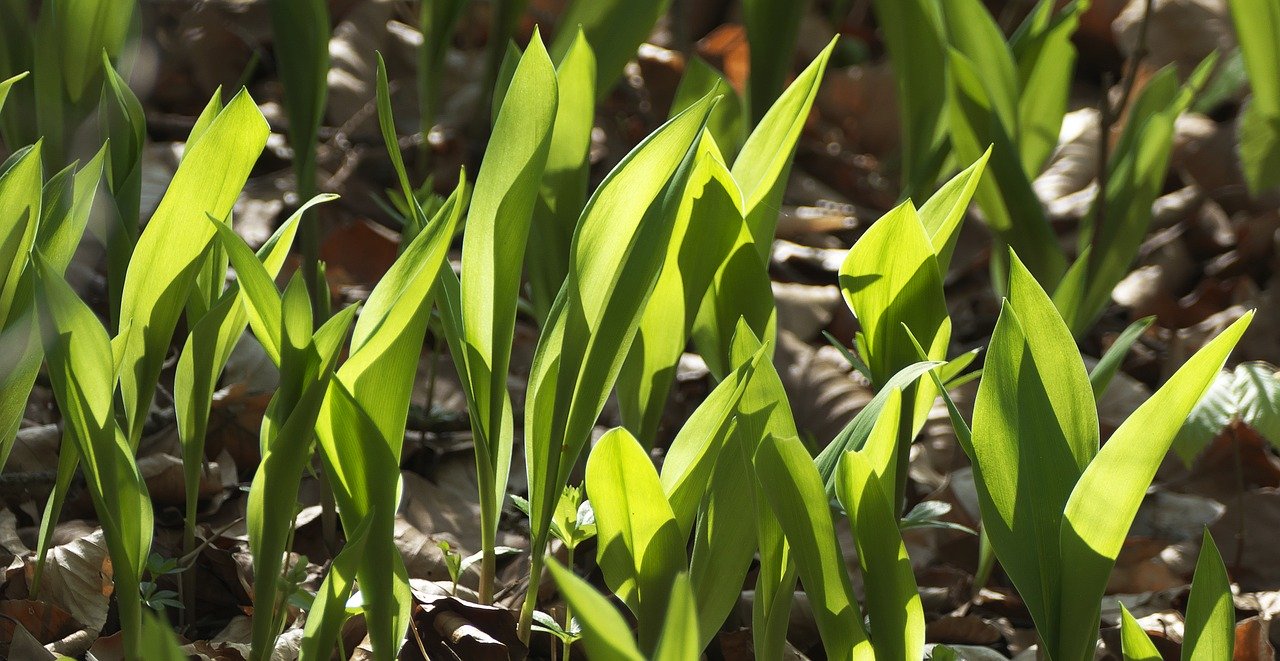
x=1211 y=612
x=943 y=212
x=361 y=425
x=1256 y=23
x=328 y=612
x=762 y=166
x=679 y=640
x=1134 y=641
x=890 y=279
x=617 y=251
x=1250 y=394
x=169 y=251
x=740 y=291
x=87 y=29
x=493 y=249
x=1035 y=429
x=506 y=71
x=1008 y=202
x=79 y=360
x=724 y=542
x=880 y=450
x=604 y=633
x=615 y=29
x=691 y=459
x=914 y=37
x=893 y=601
x=1137 y=174
x=641 y=548
x=795 y=493
x=708 y=222
x=972 y=31
x=564 y=181
x=773 y=27
x=1045 y=58
x=1105 y=500
x=20 y=201
x=1102 y=373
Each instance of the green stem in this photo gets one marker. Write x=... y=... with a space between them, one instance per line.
x=568 y=612
x=536 y=549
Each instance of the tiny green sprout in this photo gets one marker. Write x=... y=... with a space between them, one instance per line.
x=155 y=598
x=928 y=514
x=547 y=624
x=574 y=521
x=453 y=562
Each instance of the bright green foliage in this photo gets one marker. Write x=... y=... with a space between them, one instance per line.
x=8 y=83
x=604 y=633
x=1257 y=22
x=564 y=181
x=897 y=617
x=1250 y=394
x=493 y=250
x=1211 y=612
x=913 y=34
x=795 y=492
x=1011 y=97
x=49 y=220
x=614 y=28
x=63 y=49
x=329 y=610
x=1038 y=467
x=617 y=251
x=80 y=371
x=640 y=546
x=301 y=32
x=172 y=248
x=361 y=423
x=122 y=122
x=708 y=223
x=773 y=26
x=1134 y=641
x=1136 y=177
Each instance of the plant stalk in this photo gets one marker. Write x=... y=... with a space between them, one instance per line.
x=536 y=549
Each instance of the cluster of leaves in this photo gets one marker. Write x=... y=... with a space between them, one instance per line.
x=671 y=248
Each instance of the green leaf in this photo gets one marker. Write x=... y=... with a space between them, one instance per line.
x=328 y=611
x=1256 y=23
x=773 y=27
x=679 y=640
x=1035 y=429
x=1105 y=500
x=708 y=223
x=692 y=457
x=762 y=166
x=1045 y=58
x=20 y=192
x=80 y=357
x=604 y=633
x=361 y=425
x=1211 y=612
x=416 y=218
x=1102 y=373
x=1257 y=389
x=943 y=212
x=85 y=31
x=170 y=250
x=641 y=548
x=564 y=181
x=1134 y=641
x=493 y=249
x=893 y=601
x=1208 y=418
x=795 y=493
x=301 y=32
x=914 y=37
x=890 y=279
x=615 y=29
x=617 y=250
